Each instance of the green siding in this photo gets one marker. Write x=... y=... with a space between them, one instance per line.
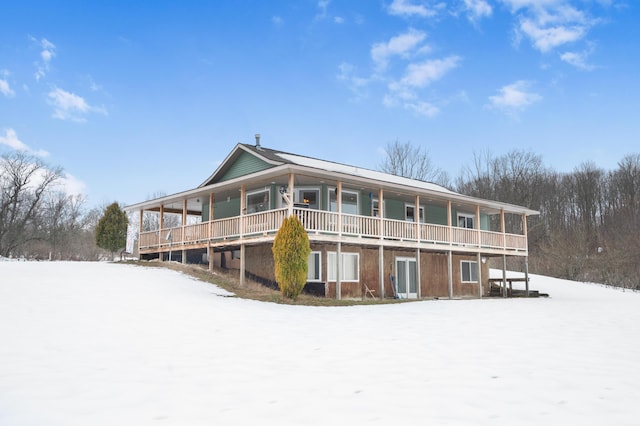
x=394 y=209
x=436 y=214
x=226 y=208
x=484 y=222
x=205 y=212
x=244 y=165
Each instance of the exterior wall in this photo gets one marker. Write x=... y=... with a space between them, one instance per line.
x=245 y=164
x=226 y=208
x=434 y=281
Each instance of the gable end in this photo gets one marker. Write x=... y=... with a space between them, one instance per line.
x=245 y=164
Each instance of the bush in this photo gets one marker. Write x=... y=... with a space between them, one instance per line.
x=291 y=256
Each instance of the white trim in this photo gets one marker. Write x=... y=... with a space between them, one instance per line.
x=258 y=191
x=469 y=262
x=332 y=189
x=319 y=278
x=466 y=216
x=421 y=214
x=343 y=278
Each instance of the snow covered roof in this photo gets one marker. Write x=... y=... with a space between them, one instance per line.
x=360 y=172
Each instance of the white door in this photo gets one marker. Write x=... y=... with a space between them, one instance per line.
x=406 y=277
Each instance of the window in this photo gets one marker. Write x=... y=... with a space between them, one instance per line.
x=314 y=272
x=258 y=201
x=469 y=271
x=349 y=201
x=375 y=207
x=466 y=220
x=410 y=212
x=350 y=267
x=308 y=197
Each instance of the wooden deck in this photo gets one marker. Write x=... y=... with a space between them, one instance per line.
x=324 y=226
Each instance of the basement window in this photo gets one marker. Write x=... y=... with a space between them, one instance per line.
x=469 y=271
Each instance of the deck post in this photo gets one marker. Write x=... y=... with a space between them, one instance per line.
x=504 y=274
x=210 y=255
x=290 y=193
x=450 y=275
x=140 y=230
x=480 y=275
x=210 y=230
x=479 y=236
x=418 y=275
x=502 y=228
x=184 y=223
x=416 y=219
x=450 y=253
x=526 y=276
x=339 y=250
x=160 y=225
x=381 y=246
x=243 y=210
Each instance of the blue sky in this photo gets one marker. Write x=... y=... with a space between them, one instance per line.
x=136 y=98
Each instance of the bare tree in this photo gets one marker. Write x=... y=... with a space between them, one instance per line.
x=25 y=182
x=406 y=160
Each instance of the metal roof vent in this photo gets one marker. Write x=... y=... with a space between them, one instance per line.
x=258 y=141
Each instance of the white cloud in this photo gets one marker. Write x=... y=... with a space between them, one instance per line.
x=545 y=39
x=514 y=97
x=6 y=89
x=549 y=24
x=338 y=20
x=400 y=45
x=423 y=74
x=477 y=9
x=72 y=185
x=422 y=108
x=46 y=54
x=408 y=8
x=69 y=106
x=11 y=140
x=578 y=59
x=357 y=85
x=277 y=21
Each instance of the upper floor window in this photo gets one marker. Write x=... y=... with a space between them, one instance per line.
x=375 y=207
x=308 y=197
x=410 y=213
x=466 y=221
x=258 y=201
x=349 y=201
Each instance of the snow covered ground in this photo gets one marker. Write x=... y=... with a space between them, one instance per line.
x=108 y=344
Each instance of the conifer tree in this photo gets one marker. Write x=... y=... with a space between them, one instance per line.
x=111 y=232
x=291 y=256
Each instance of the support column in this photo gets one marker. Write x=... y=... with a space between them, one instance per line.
x=182 y=233
x=210 y=233
x=418 y=274
x=416 y=219
x=210 y=256
x=290 y=193
x=478 y=226
x=450 y=275
x=381 y=246
x=504 y=274
x=480 y=275
x=339 y=251
x=526 y=276
x=450 y=253
x=243 y=210
x=160 y=226
x=140 y=230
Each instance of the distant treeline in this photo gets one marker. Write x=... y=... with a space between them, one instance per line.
x=589 y=223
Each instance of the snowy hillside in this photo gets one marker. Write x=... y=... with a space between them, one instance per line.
x=107 y=344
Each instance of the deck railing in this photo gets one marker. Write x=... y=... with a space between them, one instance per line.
x=318 y=222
